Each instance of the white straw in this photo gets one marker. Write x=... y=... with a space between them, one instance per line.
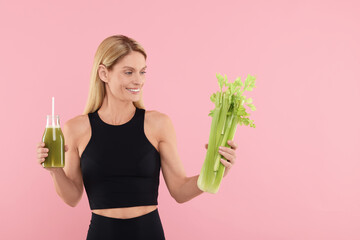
x=53 y=118
x=53 y=111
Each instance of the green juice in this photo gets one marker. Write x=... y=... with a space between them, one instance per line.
x=54 y=141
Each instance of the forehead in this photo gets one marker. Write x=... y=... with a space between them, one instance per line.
x=133 y=60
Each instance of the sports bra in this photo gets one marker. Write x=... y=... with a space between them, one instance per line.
x=120 y=167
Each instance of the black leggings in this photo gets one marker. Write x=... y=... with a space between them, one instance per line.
x=147 y=226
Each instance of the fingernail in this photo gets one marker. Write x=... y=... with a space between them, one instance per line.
x=221 y=148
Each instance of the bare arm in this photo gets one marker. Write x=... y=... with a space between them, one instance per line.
x=68 y=180
x=181 y=187
x=66 y=188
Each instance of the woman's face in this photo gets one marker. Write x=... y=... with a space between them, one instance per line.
x=127 y=77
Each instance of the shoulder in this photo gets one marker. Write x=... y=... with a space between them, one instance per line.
x=157 y=118
x=76 y=126
x=160 y=122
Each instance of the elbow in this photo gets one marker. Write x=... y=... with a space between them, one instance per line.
x=180 y=193
x=72 y=203
x=179 y=199
x=74 y=200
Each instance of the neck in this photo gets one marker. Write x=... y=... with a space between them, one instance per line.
x=116 y=111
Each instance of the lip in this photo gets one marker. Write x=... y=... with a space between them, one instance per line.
x=134 y=92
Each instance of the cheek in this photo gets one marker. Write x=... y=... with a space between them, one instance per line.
x=116 y=87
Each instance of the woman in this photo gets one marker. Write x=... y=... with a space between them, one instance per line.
x=115 y=150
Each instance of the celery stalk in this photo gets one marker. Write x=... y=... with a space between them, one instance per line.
x=224 y=140
x=228 y=113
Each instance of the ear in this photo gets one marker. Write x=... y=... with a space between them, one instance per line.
x=103 y=73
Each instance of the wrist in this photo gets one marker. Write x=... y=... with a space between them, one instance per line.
x=55 y=171
x=197 y=179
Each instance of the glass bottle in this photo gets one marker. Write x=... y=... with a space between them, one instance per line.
x=55 y=142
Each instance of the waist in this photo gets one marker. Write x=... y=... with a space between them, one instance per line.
x=125 y=212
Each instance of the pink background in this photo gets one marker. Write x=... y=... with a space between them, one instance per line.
x=297 y=174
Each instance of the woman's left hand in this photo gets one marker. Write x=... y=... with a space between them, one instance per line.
x=229 y=154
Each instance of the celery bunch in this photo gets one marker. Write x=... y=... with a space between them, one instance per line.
x=228 y=113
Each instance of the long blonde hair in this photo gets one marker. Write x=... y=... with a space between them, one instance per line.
x=109 y=52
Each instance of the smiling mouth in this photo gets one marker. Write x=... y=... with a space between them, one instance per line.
x=134 y=90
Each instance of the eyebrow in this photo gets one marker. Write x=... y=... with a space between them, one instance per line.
x=132 y=67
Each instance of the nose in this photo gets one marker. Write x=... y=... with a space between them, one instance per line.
x=138 y=80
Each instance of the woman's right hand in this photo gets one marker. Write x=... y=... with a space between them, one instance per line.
x=42 y=153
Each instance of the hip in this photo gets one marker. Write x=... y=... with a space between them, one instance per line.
x=147 y=226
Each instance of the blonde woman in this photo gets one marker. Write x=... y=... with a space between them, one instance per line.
x=115 y=150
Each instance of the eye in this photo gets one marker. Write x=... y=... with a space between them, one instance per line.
x=128 y=72
x=143 y=72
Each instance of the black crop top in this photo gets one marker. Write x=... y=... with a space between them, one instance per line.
x=120 y=167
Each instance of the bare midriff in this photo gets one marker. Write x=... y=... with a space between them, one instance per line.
x=124 y=213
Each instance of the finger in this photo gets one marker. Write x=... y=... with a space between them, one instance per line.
x=206 y=145
x=66 y=148
x=228 y=156
x=226 y=163
x=228 y=150
x=40 y=144
x=232 y=144
x=41 y=160
x=42 y=150
x=42 y=155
